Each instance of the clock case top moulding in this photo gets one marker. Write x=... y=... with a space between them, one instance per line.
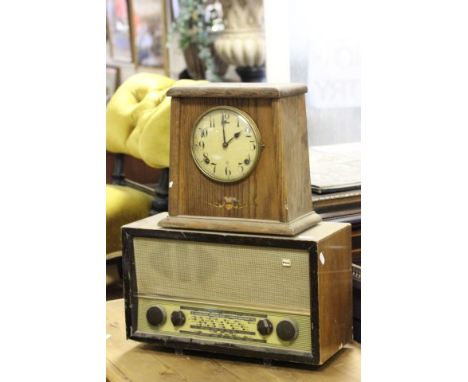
x=275 y=198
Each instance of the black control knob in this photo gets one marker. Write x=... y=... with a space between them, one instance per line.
x=178 y=318
x=156 y=315
x=264 y=327
x=287 y=330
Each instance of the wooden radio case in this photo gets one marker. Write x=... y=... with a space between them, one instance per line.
x=269 y=297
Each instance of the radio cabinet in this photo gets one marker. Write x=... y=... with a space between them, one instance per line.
x=271 y=297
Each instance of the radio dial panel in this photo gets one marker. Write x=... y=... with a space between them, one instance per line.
x=223 y=325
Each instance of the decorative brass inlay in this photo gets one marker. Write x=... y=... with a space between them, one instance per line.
x=229 y=203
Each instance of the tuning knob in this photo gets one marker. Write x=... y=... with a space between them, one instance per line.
x=156 y=315
x=264 y=327
x=178 y=318
x=287 y=330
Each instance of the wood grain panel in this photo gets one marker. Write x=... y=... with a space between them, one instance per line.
x=295 y=173
x=258 y=194
x=174 y=189
x=334 y=292
x=237 y=90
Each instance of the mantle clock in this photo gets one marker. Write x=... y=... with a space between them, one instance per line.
x=239 y=159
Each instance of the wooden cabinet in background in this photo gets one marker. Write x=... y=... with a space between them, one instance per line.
x=134 y=169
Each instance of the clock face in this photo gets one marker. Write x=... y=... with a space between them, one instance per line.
x=225 y=144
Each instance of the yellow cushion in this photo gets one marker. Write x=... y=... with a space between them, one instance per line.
x=123 y=205
x=138 y=118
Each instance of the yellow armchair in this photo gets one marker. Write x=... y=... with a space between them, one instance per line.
x=137 y=124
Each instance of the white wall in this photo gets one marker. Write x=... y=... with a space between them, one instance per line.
x=321 y=38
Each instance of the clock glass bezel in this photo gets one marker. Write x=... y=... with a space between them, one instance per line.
x=257 y=137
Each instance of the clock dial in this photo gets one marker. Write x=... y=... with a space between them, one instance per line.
x=225 y=144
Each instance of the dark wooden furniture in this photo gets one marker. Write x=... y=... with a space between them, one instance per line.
x=357 y=303
x=125 y=170
x=355 y=221
x=128 y=360
x=135 y=169
x=344 y=206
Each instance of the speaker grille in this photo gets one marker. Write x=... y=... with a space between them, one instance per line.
x=230 y=274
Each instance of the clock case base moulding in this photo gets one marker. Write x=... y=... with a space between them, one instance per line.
x=255 y=226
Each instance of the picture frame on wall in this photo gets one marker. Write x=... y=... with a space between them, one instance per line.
x=119 y=30
x=112 y=80
x=148 y=18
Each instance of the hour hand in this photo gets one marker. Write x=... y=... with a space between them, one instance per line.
x=236 y=135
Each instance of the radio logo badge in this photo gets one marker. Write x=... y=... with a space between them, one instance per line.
x=286 y=263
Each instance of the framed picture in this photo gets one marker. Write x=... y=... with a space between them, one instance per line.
x=149 y=32
x=119 y=30
x=112 y=80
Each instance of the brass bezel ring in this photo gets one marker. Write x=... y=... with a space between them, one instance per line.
x=254 y=128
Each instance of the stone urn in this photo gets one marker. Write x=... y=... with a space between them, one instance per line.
x=242 y=43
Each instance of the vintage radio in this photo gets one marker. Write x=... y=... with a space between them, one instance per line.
x=271 y=297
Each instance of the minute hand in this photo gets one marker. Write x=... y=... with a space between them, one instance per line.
x=236 y=135
x=223 y=122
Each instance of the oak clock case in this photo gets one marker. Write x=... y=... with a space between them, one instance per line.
x=261 y=183
x=226 y=144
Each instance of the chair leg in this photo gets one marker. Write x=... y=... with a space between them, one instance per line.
x=160 y=201
x=118 y=175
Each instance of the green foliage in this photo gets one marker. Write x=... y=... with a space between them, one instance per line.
x=193 y=28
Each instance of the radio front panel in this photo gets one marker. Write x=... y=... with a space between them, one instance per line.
x=220 y=325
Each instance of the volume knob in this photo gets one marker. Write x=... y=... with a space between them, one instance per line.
x=156 y=315
x=287 y=330
x=264 y=327
x=178 y=318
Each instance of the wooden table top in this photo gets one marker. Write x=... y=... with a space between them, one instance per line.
x=132 y=361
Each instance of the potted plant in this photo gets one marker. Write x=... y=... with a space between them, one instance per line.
x=197 y=25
